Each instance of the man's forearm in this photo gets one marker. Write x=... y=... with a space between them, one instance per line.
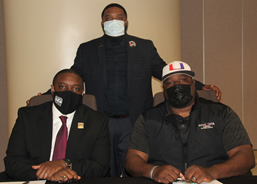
x=19 y=168
x=238 y=164
x=137 y=167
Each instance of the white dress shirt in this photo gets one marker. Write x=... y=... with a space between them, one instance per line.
x=57 y=123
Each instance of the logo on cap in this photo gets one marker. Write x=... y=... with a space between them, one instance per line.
x=176 y=67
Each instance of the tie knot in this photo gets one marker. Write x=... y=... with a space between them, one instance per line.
x=63 y=119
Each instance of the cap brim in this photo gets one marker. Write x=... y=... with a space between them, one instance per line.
x=189 y=73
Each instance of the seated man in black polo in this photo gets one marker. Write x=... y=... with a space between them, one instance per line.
x=188 y=137
x=59 y=140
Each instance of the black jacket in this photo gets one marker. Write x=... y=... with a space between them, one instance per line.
x=30 y=142
x=143 y=63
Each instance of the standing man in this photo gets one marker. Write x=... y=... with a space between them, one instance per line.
x=117 y=69
x=59 y=140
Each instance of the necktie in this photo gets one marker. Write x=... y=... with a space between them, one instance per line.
x=61 y=141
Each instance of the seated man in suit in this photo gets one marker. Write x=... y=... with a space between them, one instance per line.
x=60 y=140
x=187 y=136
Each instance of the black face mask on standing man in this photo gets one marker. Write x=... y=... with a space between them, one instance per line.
x=179 y=95
x=67 y=101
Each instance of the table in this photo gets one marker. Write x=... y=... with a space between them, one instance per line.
x=133 y=180
x=240 y=180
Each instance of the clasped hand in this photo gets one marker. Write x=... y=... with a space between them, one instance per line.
x=168 y=174
x=55 y=171
x=198 y=174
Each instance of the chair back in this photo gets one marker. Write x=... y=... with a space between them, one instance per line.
x=88 y=100
x=209 y=95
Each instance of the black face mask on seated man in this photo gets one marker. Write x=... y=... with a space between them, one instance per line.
x=67 y=101
x=179 y=95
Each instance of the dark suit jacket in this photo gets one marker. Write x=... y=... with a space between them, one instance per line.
x=143 y=62
x=30 y=142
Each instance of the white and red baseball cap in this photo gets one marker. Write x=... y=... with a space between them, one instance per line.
x=176 y=67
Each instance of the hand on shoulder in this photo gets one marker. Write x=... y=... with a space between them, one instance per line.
x=213 y=88
x=27 y=102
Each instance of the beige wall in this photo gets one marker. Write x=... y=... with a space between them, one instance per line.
x=219 y=40
x=3 y=96
x=42 y=37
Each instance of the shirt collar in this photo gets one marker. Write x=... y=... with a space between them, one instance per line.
x=57 y=114
x=121 y=43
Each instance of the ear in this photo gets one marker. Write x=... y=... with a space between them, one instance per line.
x=102 y=25
x=52 y=90
x=193 y=87
x=193 y=82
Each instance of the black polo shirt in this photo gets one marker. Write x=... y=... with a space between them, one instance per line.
x=182 y=125
x=116 y=70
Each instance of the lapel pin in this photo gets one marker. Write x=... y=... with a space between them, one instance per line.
x=132 y=44
x=80 y=125
x=101 y=44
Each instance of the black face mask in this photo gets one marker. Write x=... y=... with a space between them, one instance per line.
x=179 y=95
x=67 y=101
